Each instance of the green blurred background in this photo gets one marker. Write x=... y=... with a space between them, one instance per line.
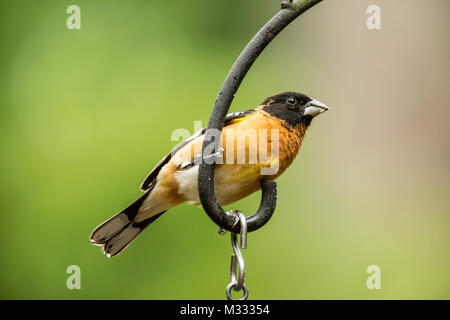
x=85 y=114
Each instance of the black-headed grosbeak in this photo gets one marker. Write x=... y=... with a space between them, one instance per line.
x=279 y=121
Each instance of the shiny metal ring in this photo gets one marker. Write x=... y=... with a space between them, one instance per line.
x=232 y=285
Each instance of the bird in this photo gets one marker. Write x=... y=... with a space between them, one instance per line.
x=240 y=164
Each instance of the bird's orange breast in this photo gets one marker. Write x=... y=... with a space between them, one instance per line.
x=257 y=146
x=263 y=141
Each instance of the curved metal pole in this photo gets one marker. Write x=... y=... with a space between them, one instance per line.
x=291 y=9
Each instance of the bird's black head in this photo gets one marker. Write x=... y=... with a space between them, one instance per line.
x=294 y=108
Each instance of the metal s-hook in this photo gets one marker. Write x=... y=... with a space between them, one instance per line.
x=237 y=260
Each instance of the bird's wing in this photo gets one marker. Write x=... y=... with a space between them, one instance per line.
x=151 y=178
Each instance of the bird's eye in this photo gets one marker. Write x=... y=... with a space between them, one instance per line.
x=291 y=101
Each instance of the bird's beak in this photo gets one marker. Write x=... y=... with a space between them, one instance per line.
x=314 y=108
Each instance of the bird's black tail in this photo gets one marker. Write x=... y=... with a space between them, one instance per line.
x=115 y=234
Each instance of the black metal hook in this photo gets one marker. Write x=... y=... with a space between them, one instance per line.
x=290 y=10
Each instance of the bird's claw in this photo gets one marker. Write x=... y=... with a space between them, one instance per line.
x=217 y=155
x=198 y=159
